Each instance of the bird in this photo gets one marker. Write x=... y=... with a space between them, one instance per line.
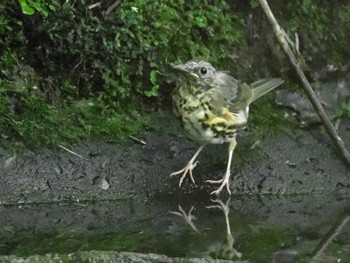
x=213 y=107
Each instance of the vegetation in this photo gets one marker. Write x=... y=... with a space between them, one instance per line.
x=71 y=71
x=323 y=29
x=343 y=111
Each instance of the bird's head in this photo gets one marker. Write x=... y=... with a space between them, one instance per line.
x=199 y=71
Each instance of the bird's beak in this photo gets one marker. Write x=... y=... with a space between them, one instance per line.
x=182 y=68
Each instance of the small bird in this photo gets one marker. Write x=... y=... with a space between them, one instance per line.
x=213 y=107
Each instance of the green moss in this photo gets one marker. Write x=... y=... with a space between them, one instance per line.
x=265 y=117
x=28 y=121
x=69 y=72
x=68 y=243
x=262 y=242
x=322 y=28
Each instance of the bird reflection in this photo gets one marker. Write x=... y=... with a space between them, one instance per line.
x=217 y=250
x=222 y=250
x=188 y=217
x=225 y=208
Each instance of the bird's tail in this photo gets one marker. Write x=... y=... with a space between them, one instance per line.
x=263 y=86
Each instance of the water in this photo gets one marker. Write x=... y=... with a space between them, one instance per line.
x=252 y=228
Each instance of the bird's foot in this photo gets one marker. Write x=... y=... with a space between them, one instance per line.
x=186 y=170
x=224 y=182
x=189 y=218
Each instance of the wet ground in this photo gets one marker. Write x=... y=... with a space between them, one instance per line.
x=290 y=200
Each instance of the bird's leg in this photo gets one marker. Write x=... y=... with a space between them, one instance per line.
x=225 y=208
x=188 y=217
x=189 y=167
x=225 y=180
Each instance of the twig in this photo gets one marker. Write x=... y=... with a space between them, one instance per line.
x=329 y=237
x=77 y=65
x=281 y=37
x=64 y=148
x=112 y=7
x=94 y=5
x=137 y=140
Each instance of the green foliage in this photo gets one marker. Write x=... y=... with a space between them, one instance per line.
x=322 y=27
x=114 y=55
x=314 y=16
x=343 y=111
x=254 y=3
x=153 y=79
x=29 y=6
x=26 y=9
x=68 y=63
x=79 y=72
x=28 y=120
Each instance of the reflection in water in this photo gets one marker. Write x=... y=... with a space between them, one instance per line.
x=277 y=229
x=225 y=208
x=188 y=217
x=282 y=234
x=222 y=250
x=319 y=250
x=226 y=251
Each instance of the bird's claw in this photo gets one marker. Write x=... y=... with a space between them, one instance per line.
x=218 y=191
x=223 y=182
x=186 y=170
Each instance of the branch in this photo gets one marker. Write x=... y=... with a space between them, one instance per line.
x=329 y=237
x=112 y=7
x=94 y=5
x=281 y=37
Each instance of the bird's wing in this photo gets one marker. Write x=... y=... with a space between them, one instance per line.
x=263 y=86
x=228 y=85
x=250 y=93
x=243 y=100
x=224 y=93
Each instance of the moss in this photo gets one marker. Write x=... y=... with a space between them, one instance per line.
x=266 y=117
x=29 y=121
x=262 y=242
x=68 y=243
x=68 y=72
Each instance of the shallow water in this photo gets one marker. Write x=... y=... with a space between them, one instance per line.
x=253 y=228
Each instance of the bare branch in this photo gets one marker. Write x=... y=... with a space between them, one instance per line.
x=281 y=37
x=329 y=237
x=71 y=152
x=94 y=5
x=137 y=140
x=112 y=7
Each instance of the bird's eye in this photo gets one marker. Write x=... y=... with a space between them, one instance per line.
x=203 y=70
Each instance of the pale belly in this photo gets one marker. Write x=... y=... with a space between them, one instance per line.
x=216 y=133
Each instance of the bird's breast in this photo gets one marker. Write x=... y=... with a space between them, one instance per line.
x=204 y=122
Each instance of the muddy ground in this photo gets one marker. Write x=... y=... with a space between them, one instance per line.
x=293 y=161
x=294 y=177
